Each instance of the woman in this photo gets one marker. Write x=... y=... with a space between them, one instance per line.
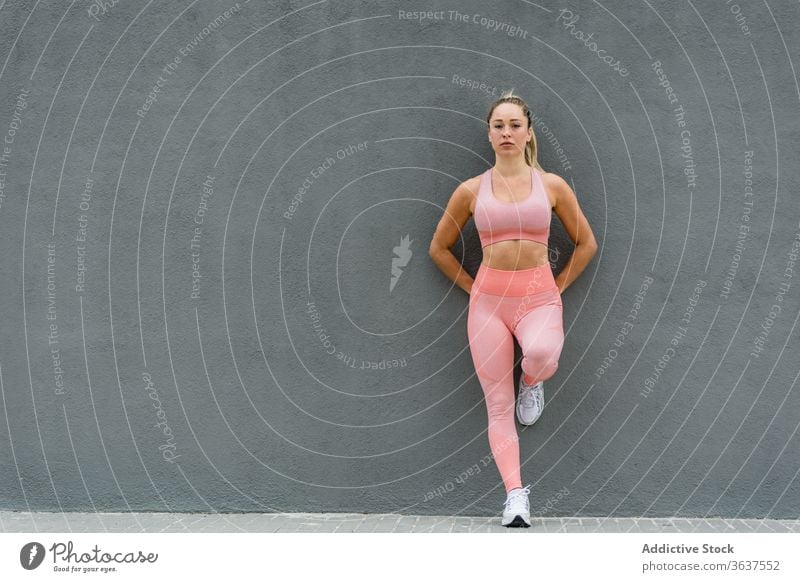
x=514 y=293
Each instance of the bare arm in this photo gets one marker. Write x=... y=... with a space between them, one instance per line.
x=447 y=233
x=569 y=212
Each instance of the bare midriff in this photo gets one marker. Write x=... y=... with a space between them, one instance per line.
x=513 y=255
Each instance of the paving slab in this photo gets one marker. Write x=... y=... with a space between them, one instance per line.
x=17 y=521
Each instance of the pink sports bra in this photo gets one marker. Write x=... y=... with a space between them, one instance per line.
x=497 y=220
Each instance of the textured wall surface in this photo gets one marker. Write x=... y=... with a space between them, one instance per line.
x=216 y=292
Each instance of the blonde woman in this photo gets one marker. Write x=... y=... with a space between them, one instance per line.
x=514 y=293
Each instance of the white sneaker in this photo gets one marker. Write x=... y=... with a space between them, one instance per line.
x=530 y=401
x=517 y=512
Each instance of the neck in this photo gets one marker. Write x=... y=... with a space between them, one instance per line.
x=512 y=167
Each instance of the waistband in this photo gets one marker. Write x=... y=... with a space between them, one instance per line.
x=515 y=283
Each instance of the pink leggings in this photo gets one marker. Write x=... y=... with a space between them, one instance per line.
x=526 y=304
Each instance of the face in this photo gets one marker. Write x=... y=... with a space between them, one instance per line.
x=508 y=125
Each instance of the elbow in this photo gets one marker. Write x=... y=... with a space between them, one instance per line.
x=438 y=250
x=437 y=253
x=590 y=246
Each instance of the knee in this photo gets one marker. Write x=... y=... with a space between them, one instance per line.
x=540 y=362
x=492 y=373
x=500 y=406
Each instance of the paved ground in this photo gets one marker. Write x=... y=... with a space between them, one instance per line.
x=11 y=521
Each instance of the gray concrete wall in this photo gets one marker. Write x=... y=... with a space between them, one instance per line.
x=201 y=210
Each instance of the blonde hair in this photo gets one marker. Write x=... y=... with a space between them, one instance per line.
x=531 y=149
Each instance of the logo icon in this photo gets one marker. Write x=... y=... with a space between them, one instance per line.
x=401 y=260
x=31 y=555
x=553 y=254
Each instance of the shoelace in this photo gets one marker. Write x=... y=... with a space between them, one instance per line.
x=527 y=397
x=512 y=498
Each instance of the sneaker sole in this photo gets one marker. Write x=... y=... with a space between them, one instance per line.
x=531 y=423
x=518 y=521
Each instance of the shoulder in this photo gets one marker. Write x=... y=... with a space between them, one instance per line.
x=467 y=192
x=554 y=182
x=557 y=187
x=470 y=185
